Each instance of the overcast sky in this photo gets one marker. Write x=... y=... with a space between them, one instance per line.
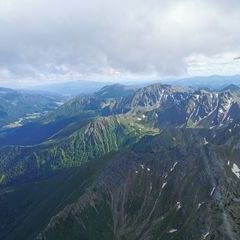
x=43 y=41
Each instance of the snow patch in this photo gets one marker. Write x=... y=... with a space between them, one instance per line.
x=174 y=165
x=212 y=191
x=205 y=235
x=197 y=96
x=205 y=141
x=200 y=204
x=178 y=206
x=164 y=184
x=221 y=111
x=236 y=170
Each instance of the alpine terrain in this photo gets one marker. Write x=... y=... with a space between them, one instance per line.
x=158 y=162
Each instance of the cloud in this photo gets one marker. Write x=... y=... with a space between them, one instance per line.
x=57 y=40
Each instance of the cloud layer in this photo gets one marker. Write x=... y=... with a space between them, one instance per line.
x=49 y=40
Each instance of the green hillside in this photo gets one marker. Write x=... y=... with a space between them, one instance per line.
x=72 y=146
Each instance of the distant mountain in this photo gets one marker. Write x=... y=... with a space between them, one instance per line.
x=152 y=97
x=75 y=88
x=214 y=82
x=72 y=88
x=167 y=106
x=232 y=88
x=115 y=91
x=100 y=103
x=17 y=107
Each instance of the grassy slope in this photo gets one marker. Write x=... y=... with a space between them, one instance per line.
x=71 y=147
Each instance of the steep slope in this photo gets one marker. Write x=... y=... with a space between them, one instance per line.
x=83 y=104
x=165 y=106
x=72 y=146
x=27 y=208
x=207 y=109
x=176 y=185
x=153 y=97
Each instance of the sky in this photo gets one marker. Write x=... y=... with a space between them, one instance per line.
x=46 y=41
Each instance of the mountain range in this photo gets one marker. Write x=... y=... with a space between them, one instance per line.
x=86 y=87
x=73 y=88
x=154 y=162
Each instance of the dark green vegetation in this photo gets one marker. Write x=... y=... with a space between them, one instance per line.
x=72 y=146
x=27 y=208
x=174 y=187
x=159 y=162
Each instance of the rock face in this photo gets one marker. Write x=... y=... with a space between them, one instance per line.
x=167 y=106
